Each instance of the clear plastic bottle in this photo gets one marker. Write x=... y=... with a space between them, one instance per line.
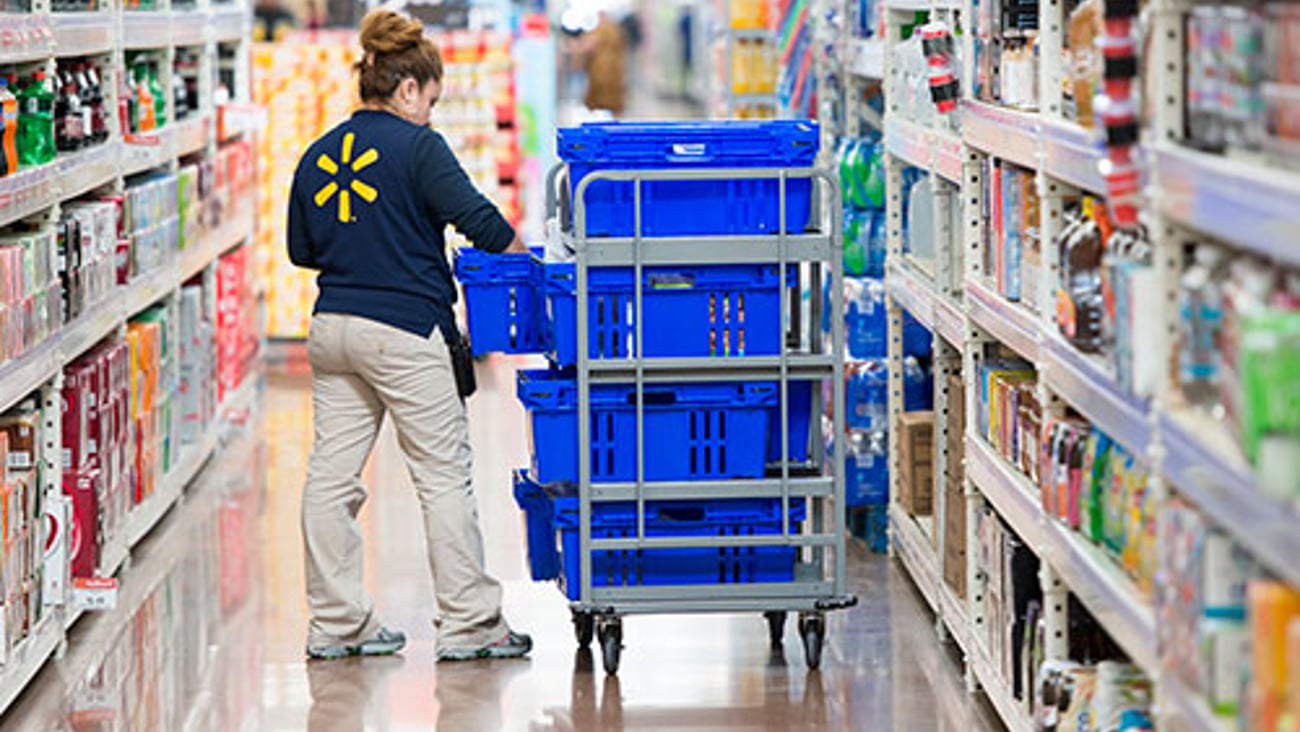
x=1200 y=320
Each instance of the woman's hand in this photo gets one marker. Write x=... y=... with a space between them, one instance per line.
x=517 y=246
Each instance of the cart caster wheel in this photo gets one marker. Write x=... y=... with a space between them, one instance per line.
x=611 y=644
x=813 y=630
x=584 y=629
x=776 y=627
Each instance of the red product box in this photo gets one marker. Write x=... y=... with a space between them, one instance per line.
x=84 y=489
x=76 y=417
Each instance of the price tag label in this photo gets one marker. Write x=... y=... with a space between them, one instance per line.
x=94 y=593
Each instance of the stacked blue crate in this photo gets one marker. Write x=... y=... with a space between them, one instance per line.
x=715 y=431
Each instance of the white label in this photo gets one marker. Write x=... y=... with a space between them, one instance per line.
x=20 y=460
x=94 y=593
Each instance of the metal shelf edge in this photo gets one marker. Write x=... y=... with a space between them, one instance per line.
x=1227 y=492
x=1090 y=389
x=1004 y=320
x=1008 y=134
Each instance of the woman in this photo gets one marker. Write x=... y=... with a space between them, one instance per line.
x=369 y=205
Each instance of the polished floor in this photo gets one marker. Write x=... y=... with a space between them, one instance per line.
x=208 y=633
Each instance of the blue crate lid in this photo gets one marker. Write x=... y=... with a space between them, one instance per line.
x=547 y=389
x=691 y=144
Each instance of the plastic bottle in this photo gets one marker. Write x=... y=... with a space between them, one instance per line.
x=36 y=122
x=98 y=105
x=69 y=124
x=82 y=78
x=180 y=94
x=143 y=109
x=159 y=97
x=9 y=136
x=1200 y=319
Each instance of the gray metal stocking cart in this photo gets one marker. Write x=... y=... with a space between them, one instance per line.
x=805 y=355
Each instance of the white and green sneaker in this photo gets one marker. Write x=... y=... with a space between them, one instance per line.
x=513 y=645
x=385 y=643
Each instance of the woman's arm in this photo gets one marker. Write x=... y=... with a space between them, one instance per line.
x=449 y=194
x=301 y=252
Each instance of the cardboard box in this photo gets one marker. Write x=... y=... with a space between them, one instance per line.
x=916 y=455
x=22 y=430
x=84 y=488
x=954 y=528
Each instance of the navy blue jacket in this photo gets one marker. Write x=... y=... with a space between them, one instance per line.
x=370 y=202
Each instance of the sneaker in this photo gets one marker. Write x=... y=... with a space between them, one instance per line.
x=385 y=643
x=512 y=645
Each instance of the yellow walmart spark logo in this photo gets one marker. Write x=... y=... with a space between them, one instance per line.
x=357 y=186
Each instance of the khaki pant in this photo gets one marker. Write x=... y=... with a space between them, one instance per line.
x=360 y=370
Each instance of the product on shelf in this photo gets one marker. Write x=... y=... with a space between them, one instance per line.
x=236 y=333
x=88 y=246
x=30 y=290
x=1082 y=63
x=22 y=534
x=1080 y=306
x=1006 y=53
x=196 y=390
x=36 y=140
x=1011 y=587
x=9 y=118
x=150 y=224
x=1274 y=611
x=1013 y=247
x=915 y=435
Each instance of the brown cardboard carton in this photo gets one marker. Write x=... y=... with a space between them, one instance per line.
x=916 y=456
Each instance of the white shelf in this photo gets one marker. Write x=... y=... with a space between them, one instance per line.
x=1092 y=576
x=1250 y=205
x=145 y=29
x=1003 y=133
x=918 y=297
x=916 y=553
x=935 y=150
x=191 y=135
x=24 y=37
x=28 y=192
x=1087 y=384
x=228 y=23
x=147 y=151
x=83 y=34
x=1204 y=464
x=752 y=100
x=1186 y=711
x=144 y=517
x=86 y=170
x=83 y=333
x=866 y=58
x=189 y=27
x=1012 y=494
x=113 y=557
x=1006 y=321
x=25 y=374
x=26 y=660
x=1073 y=154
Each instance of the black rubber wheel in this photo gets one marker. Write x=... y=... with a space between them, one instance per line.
x=776 y=627
x=611 y=644
x=584 y=629
x=813 y=631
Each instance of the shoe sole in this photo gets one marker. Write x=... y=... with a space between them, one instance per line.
x=484 y=654
x=365 y=649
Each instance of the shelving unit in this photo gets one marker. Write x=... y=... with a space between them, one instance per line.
x=1189 y=195
x=43 y=36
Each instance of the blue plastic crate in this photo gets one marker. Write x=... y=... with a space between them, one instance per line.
x=800 y=395
x=871 y=525
x=692 y=431
x=866 y=477
x=548 y=515
x=690 y=208
x=706 y=310
x=504 y=301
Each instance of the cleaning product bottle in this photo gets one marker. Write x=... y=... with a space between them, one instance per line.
x=9 y=136
x=1200 y=318
x=36 y=122
x=97 y=105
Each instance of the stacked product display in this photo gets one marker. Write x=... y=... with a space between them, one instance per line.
x=306 y=83
x=1094 y=243
x=115 y=204
x=746 y=60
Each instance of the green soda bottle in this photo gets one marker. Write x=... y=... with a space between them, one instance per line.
x=36 y=122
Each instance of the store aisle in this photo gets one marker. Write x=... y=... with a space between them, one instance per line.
x=209 y=631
